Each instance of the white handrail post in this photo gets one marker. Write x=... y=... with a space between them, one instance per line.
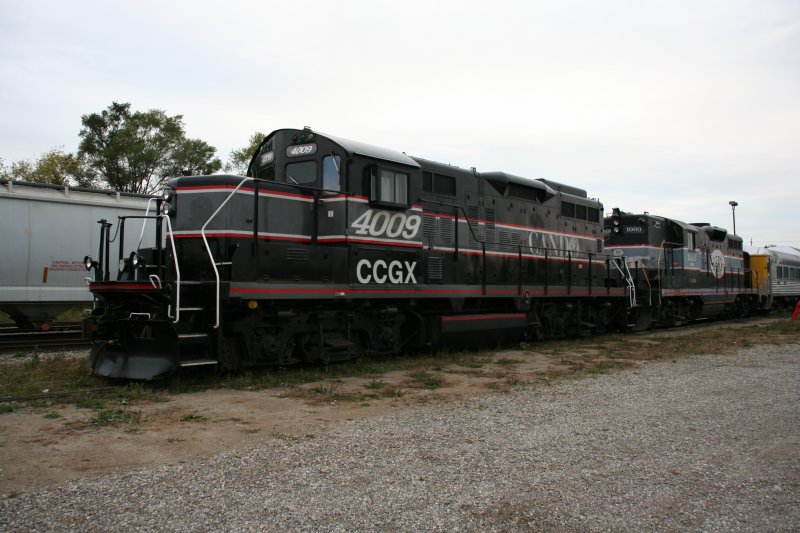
x=208 y=248
x=144 y=222
x=171 y=238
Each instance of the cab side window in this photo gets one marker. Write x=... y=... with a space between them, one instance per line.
x=331 y=173
x=388 y=187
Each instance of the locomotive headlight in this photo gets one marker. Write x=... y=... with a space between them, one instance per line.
x=616 y=230
x=616 y=222
x=135 y=259
x=88 y=262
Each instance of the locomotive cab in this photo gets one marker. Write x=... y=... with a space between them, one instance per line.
x=315 y=216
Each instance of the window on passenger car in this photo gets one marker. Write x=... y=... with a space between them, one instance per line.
x=331 y=176
x=301 y=173
x=388 y=187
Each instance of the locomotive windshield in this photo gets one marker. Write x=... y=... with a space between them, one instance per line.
x=302 y=173
x=310 y=164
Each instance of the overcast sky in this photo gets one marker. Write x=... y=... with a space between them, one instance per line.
x=671 y=107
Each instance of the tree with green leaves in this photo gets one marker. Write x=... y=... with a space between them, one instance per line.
x=136 y=151
x=54 y=166
x=239 y=160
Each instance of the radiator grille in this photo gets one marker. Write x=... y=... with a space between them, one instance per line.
x=297 y=254
x=435 y=267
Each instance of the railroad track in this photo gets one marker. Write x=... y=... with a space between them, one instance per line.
x=56 y=339
x=11 y=327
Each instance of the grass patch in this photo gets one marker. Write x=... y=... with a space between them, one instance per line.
x=8 y=407
x=375 y=384
x=51 y=415
x=426 y=380
x=116 y=417
x=392 y=391
x=36 y=375
x=75 y=314
x=91 y=403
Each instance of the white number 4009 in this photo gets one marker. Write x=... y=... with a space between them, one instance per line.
x=379 y=223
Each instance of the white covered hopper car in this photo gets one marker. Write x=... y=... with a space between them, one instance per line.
x=45 y=232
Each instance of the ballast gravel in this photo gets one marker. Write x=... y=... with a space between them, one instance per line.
x=707 y=443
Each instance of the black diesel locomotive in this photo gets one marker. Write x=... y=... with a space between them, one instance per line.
x=331 y=249
x=680 y=272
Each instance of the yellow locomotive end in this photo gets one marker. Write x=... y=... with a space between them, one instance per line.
x=759 y=272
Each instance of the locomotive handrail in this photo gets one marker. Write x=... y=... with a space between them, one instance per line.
x=472 y=231
x=628 y=280
x=649 y=285
x=466 y=217
x=177 y=270
x=661 y=254
x=144 y=222
x=121 y=234
x=208 y=248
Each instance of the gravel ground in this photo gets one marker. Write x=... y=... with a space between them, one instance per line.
x=18 y=358
x=709 y=443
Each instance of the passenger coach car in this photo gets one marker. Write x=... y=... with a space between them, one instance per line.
x=331 y=249
x=776 y=274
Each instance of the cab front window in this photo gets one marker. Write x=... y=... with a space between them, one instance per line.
x=301 y=173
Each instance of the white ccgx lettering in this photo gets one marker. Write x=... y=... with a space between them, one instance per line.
x=379 y=271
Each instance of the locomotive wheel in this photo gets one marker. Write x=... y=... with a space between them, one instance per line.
x=306 y=347
x=230 y=357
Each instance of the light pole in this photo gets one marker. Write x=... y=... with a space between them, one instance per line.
x=733 y=205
